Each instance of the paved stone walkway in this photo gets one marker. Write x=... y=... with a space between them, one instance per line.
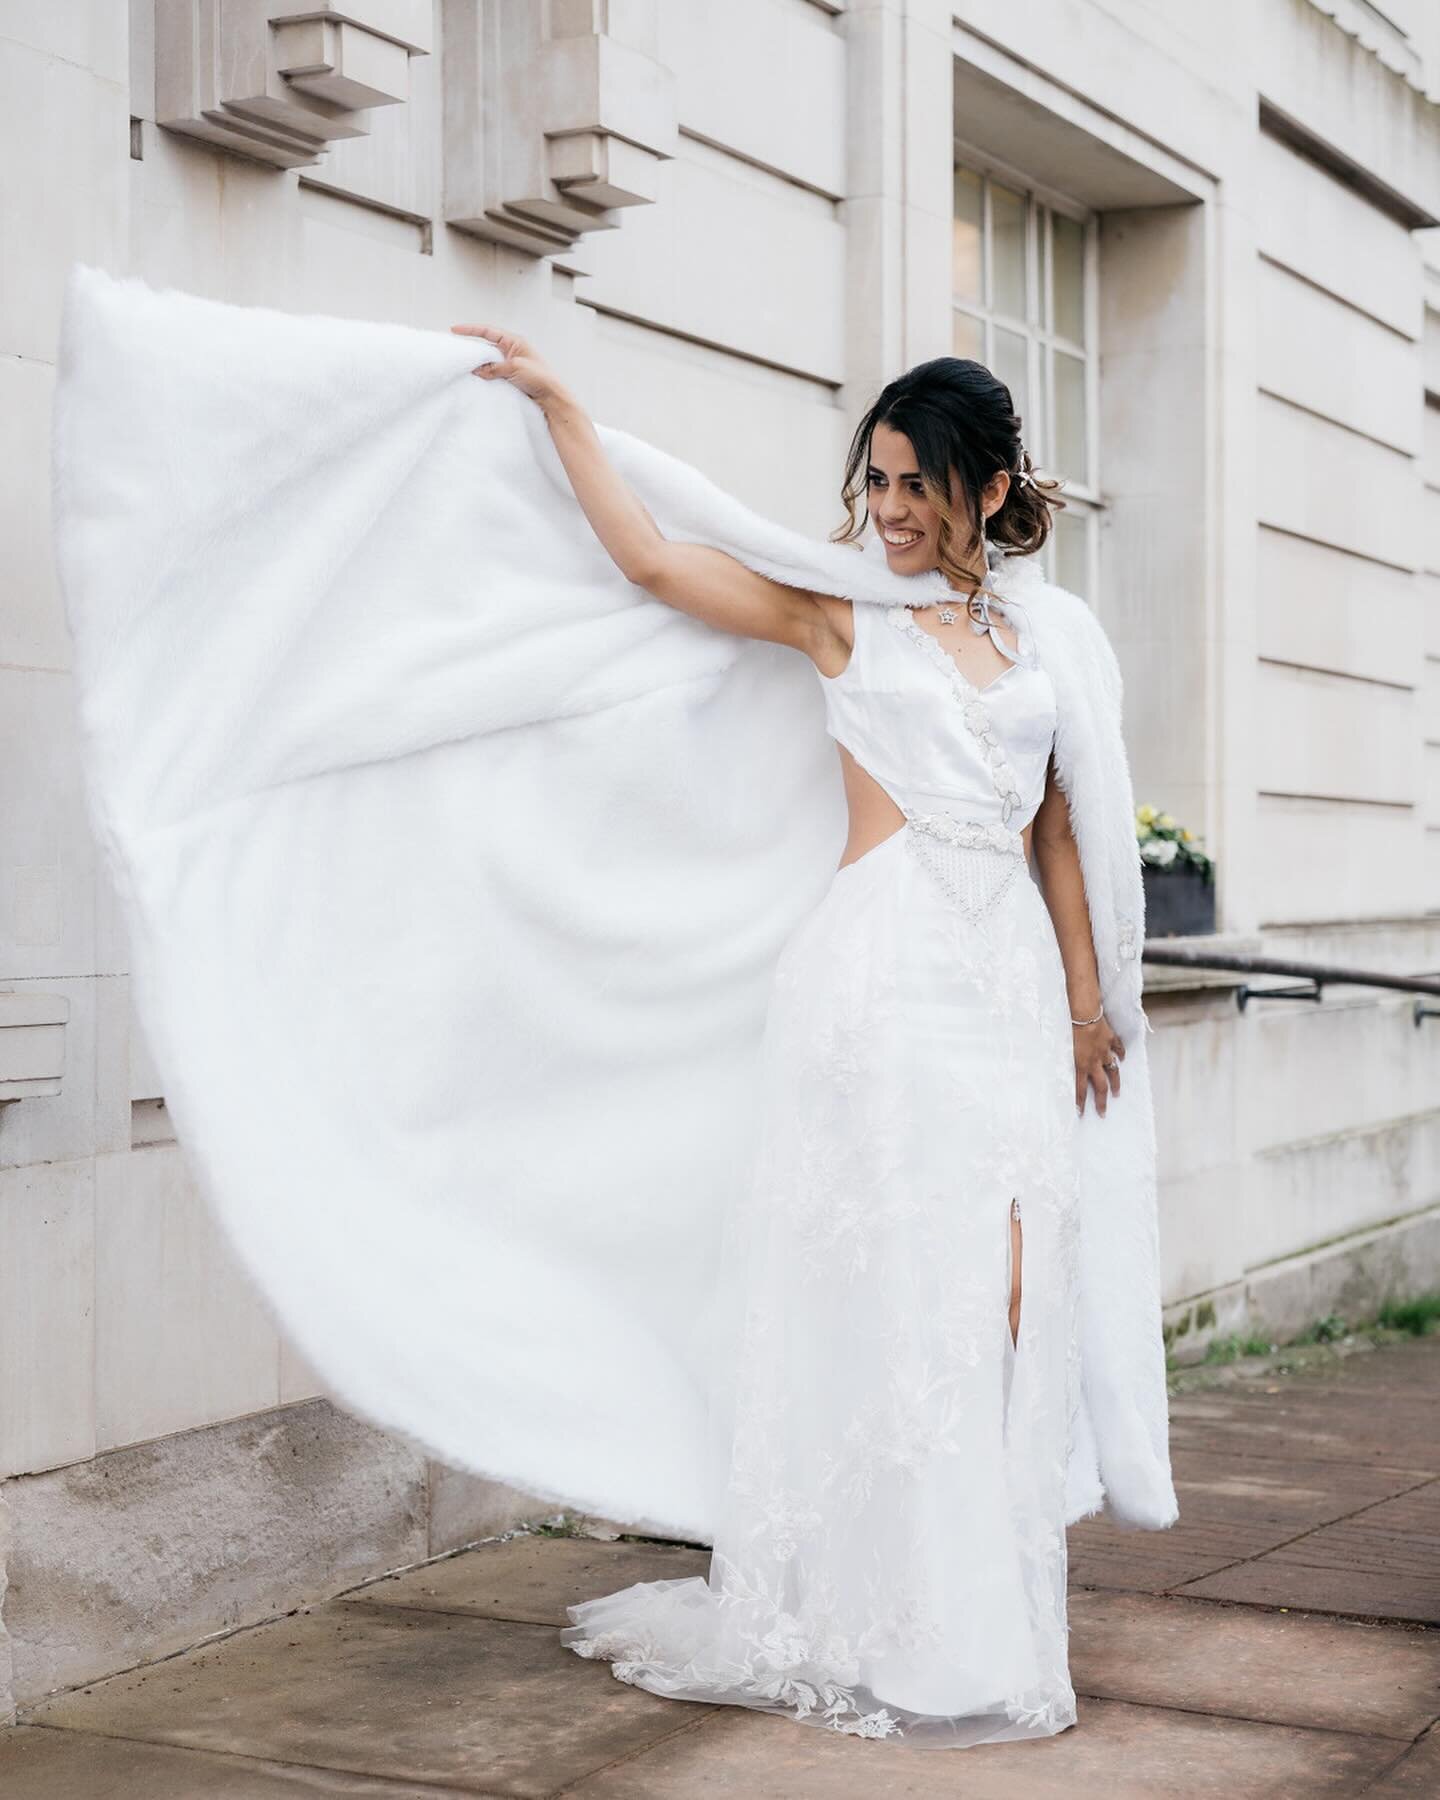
x=1278 y=1642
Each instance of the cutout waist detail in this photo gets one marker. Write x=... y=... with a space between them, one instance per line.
x=967 y=834
x=973 y=862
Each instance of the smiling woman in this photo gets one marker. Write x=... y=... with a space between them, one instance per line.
x=939 y=464
x=797 y=1210
x=896 y=1335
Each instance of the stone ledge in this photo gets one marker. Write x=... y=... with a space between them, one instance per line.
x=150 y=1549
x=1350 y=1276
x=32 y=1043
x=279 y=86
x=1166 y=978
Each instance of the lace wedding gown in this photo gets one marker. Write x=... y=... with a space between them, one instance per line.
x=889 y=1558
x=337 y=613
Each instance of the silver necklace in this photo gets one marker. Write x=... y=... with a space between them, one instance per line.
x=947 y=615
x=979 y=602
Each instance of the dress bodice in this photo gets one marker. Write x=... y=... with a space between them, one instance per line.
x=936 y=742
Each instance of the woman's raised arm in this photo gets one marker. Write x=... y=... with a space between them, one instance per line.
x=706 y=583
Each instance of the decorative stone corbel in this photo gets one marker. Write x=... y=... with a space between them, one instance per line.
x=280 y=81
x=32 y=1043
x=556 y=117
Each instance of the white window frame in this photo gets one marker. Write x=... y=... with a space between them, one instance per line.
x=1084 y=497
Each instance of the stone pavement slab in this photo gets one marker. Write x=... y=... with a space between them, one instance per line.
x=1417 y=1774
x=1116 y=1752
x=532 y=1578
x=1383 y=1562
x=1332 y=1427
x=1406 y=1366
x=1320 y=1495
x=1231 y=1507
x=1279 y=1668
x=39 y=1764
x=482 y=1705
x=1376 y=1408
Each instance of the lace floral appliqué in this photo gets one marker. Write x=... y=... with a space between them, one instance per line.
x=889 y=1542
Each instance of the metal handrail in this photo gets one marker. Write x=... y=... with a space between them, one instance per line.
x=1319 y=975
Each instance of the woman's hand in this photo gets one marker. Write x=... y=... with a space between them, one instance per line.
x=1099 y=1052
x=706 y=583
x=520 y=364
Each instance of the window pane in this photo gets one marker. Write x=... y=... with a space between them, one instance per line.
x=1070 y=436
x=1007 y=238
x=969 y=338
x=1009 y=364
x=968 y=267
x=1067 y=263
x=1072 y=550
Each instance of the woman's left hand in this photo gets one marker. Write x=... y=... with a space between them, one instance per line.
x=1099 y=1051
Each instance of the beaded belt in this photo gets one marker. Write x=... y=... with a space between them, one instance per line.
x=973 y=862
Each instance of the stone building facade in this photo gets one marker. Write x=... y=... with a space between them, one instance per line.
x=1199 y=242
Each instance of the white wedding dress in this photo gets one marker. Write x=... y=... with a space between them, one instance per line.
x=456 y=874
x=889 y=1558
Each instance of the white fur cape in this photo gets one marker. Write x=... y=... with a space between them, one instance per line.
x=455 y=870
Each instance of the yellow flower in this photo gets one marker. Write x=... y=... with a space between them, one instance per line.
x=1188 y=836
x=1166 y=821
x=1145 y=814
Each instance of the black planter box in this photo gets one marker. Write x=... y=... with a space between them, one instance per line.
x=1178 y=902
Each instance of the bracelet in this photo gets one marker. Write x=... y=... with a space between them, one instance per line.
x=1095 y=1021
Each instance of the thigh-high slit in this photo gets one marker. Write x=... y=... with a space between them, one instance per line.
x=889 y=1556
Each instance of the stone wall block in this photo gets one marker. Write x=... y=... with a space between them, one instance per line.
x=602 y=171
x=1350 y=1281
x=47 y=1325
x=279 y=83
x=465 y=1508
x=182 y=1337
x=341 y=64
x=149 y=1549
x=7 y=1660
x=554 y=120
x=32 y=1043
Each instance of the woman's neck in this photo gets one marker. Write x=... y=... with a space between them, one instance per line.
x=969 y=581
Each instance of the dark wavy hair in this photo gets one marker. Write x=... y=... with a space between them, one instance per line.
x=962 y=424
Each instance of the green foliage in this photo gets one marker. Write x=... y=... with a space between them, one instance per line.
x=1328 y=1330
x=1318 y=1346
x=1417 y=1316
x=1231 y=1349
x=558 y=1525
x=1165 y=844
x=1177 y=1328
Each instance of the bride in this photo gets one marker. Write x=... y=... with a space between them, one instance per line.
x=615 y=1144
x=898 y=1329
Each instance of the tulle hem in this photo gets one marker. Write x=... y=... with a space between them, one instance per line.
x=669 y=1637
x=889 y=1548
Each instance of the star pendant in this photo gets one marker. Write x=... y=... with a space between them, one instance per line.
x=947 y=615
